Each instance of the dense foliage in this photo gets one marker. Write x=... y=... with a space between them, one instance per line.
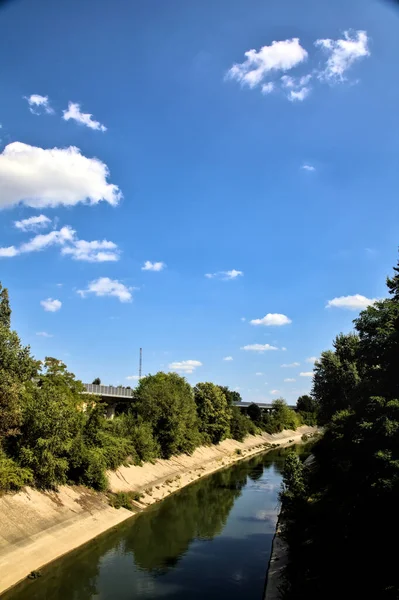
x=50 y=434
x=340 y=511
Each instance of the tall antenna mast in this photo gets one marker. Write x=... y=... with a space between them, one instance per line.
x=140 y=362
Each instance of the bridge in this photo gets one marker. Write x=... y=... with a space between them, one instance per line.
x=112 y=396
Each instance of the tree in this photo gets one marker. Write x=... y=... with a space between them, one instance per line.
x=283 y=417
x=306 y=404
x=17 y=367
x=214 y=413
x=337 y=377
x=254 y=412
x=52 y=419
x=96 y=381
x=166 y=402
x=232 y=396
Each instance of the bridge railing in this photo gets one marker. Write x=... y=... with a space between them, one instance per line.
x=108 y=390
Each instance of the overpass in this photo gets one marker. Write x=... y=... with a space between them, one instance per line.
x=112 y=396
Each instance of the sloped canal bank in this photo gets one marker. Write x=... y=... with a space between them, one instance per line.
x=210 y=540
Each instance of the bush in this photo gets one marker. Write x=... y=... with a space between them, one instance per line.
x=12 y=476
x=123 y=499
x=240 y=425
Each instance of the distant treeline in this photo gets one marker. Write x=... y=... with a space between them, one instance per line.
x=341 y=518
x=49 y=437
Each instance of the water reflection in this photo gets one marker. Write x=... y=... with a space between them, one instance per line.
x=211 y=539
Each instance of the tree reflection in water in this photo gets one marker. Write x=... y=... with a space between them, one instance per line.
x=155 y=540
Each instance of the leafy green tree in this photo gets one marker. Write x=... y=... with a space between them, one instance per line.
x=52 y=418
x=240 y=425
x=254 y=412
x=166 y=402
x=17 y=368
x=96 y=381
x=214 y=413
x=337 y=377
x=232 y=396
x=282 y=417
x=306 y=404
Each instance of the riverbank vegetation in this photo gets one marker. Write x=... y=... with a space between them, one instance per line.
x=52 y=434
x=340 y=510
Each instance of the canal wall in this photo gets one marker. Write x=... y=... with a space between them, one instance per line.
x=39 y=527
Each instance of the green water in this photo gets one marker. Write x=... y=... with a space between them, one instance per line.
x=211 y=540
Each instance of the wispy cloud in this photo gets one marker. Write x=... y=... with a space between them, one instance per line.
x=104 y=286
x=224 y=275
x=153 y=266
x=73 y=112
x=51 y=305
x=39 y=177
x=258 y=347
x=289 y=379
x=44 y=334
x=94 y=251
x=33 y=223
x=356 y=302
x=228 y=358
x=279 y=56
x=272 y=319
x=307 y=167
x=39 y=104
x=306 y=374
x=342 y=53
x=274 y=392
x=185 y=366
x=258 y=373
x=288 y=366
x=132 y=377
x=311 y=360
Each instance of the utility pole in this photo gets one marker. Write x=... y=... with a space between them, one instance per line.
x=140 y=362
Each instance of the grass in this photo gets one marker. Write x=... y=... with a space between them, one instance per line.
x=124 y=499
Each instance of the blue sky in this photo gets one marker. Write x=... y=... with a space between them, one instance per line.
x=194 y=158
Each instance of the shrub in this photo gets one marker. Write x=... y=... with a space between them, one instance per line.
x=124 y=499
x=12 y=476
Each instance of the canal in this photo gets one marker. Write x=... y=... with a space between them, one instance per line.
x=211 y=540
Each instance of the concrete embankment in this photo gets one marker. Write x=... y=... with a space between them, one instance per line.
x=38 y=527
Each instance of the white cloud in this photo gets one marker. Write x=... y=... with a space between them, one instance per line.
x=33 y=223
x=356 y=302
x=38 y=103
x=51 y=305
x=310 y=168
x=279 y=56
x=228 y=358
x=153 y=266
x=224 y=275
x=342 y=54
x=40 y=242
x=243 y=319
x=259 y=373
x=185 y=366
x=86 y=119
x=311 y=360
x=299 y=95
x=104 y=286
x=133 y=377
x=284 y=349
x=274 y=392
x=258 y=347
x=267 y=88
x=294 y=364
x=306 y=374
x=272 y=319
x=8 y=252
x=44 y=334
x=95 y=251
x=289 y=380
x=39 y=177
